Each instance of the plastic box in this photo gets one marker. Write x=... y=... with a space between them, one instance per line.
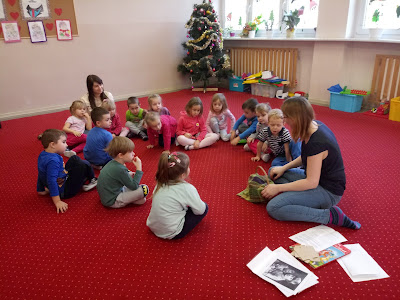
x=345 y=102
x=394 y=112
x=264 y=90
x=236 y=84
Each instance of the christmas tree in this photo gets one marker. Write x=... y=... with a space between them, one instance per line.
x=205 y=57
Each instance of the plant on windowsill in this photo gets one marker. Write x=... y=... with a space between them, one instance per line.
x=249 y=30
x=291 y=20
x=269 y=24
x=375 y=32
x=229 y=31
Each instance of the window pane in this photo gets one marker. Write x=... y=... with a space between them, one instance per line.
x=309 y=18
x=264 y=8
x=235 y=10
x=386 y=11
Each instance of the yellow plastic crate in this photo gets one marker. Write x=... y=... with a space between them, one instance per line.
x=394 y=112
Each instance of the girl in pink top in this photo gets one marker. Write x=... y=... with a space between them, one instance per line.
x=192 y=131
x=163 y=127
x=218 y=117
x=116 y=127
x=75 y=127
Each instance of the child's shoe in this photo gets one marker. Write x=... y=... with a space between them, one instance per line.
x=143 y=135
x=69 y=153
x=39 y=137
x=92 y=184
x=97 y=167
x=265 y=157
x=246 y=147
x=187 y=147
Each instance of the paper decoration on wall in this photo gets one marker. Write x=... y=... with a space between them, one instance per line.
x=35 y=9
x=2 y=10
x=63 y=28
x=10 y=31
x=37 y=32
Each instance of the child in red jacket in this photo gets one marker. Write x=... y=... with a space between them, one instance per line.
x=192 y=131
x=163 y=126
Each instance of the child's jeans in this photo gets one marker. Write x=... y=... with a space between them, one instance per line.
x=79 y=171
x=191 y=221
x=135 y=127
x=295 y=150
x=76 y=143
x=127 y=196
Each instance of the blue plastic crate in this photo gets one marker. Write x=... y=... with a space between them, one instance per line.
x=345 y=102
x=236 y=84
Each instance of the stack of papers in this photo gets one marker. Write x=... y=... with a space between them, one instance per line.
x=320 y=237
x=360 y=266
x=281 y=269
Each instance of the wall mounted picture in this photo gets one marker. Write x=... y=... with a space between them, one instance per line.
x=35 y=9
x=10 y=31
x=63 y=28
x=37 y=32
x=2 y=11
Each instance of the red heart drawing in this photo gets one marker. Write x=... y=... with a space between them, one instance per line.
x=12 y=2
x=19 y=27
x=58 y=11
x=14 y=15
x=49 y=26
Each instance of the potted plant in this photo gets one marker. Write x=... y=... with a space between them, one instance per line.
x=291 y=20
x=249 y=30
x=269 y=24
x=229 y=30
x=375 y=32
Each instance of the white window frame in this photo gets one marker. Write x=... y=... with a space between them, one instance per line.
x=361 y=32
x=309 y=32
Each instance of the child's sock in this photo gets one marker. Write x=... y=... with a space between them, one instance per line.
x=189 y=147
x=246 y=147
x=337 y=217
x=265 y=157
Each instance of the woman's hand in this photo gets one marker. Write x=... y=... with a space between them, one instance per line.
x=276 y=172
x=270 y=191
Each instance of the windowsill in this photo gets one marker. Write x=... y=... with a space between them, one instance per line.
x=312 y=39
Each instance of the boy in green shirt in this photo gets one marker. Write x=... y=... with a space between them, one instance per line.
x=134 y=118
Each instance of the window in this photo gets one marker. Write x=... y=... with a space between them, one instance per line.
x=382 y=14
x=239 y=12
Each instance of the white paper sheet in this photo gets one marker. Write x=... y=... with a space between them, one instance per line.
x=266 y=258
x=360 y=266
x=320 y=237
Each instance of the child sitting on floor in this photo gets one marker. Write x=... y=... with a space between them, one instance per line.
x=134 y=118
x=98 y=138
x=116 y=186
x=163 y=126
x=53 y=178
x=242 y=130
x=191 y=130
x=155 y=104
x=116 y=127
x=75 y=127
x=176 y=207
x=218 y=116
x=279 y=140
x=262 y=110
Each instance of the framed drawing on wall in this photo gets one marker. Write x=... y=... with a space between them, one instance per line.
x=2 y=11
x=63 y=28
x=10 y=31
x=35 y=9
x=37 y=32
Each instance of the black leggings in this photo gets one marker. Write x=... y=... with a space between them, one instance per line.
x=191 y=221
x=79 y=171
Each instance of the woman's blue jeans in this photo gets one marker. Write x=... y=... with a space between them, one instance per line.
x=307 y=206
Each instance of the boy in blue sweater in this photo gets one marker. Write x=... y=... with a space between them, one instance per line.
x=242 y=130
x=53 y=178
x=98 y=138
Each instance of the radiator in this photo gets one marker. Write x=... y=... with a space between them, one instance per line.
x=282 y=61
x=386 y=77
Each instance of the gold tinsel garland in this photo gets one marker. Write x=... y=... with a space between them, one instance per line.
x=209 y=23
x=212 y=37
x=226 y=64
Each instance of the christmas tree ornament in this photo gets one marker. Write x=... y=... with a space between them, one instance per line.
x=208 y=12
x=199 y=28
x=188 y=53
x=213 y=69
x=188 y=36
x=201 y=10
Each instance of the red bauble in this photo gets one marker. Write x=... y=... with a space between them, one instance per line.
x=199 y=28
x=213 y=10
x=188 y=53
x=213 y=69
x=191 y=71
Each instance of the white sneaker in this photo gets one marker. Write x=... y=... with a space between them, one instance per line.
x=69 y=153
x=246 y=148
x=92 y=184
x=265 y=157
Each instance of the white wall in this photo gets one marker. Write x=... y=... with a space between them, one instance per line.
x=134 y=48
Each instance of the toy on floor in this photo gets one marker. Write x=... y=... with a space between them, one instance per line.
x=383 y=108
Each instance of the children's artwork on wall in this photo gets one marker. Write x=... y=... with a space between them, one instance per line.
x=63 y=28
x=35 y=9
x=10 y=31
x=37 y=32
x=2 y=10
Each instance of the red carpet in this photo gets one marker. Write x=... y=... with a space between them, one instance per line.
x=92 y=252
